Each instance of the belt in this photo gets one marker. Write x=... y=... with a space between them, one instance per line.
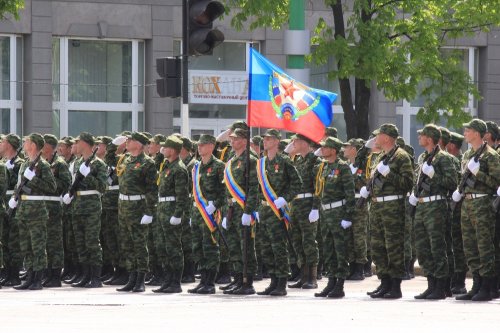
x=303 y=195
x=387 y=198
x=136 y=197
x=332 y=205
x=9 y=192
x=25 y=197
x=165 y=199
x=58 y=199
x=113 y=187
x=89 y=192
x=431 y=198
x=357 y=195
x=470 y=196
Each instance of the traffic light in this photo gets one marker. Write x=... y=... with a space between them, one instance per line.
x=169 y=70
x=202 y=37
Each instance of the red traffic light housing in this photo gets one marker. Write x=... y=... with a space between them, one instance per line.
x=202 y=37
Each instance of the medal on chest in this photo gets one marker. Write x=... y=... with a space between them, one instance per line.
x=209 y=171
x=276 y=168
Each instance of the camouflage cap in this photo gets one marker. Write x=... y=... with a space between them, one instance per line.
x=239 y=124
x=173 y=142
x=273 y=133
x=86 y=137
x=139 y=137
x=106 y=139
x=67 y=140
x=400 y=141
x=492 y=127
x=430 y=131
x=388 y=129
x=125 y=133
x=187 y=143
x=331 y=131
x=332 y=142
x=51 y=139
x=256 y=140
x=358 y=143
x=283 y=143
x=206 y=138
x=301 y=137
x=445 y=135
x=456 y=139
x=158 y=138
x=14 y=140
x=37 y=139
x=148 y=135
x=477 y=125
x=239 y=133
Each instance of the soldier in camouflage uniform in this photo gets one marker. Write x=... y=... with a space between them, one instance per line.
x=205 y=248
x=136 y=207
x=285 y=181
x=55 y=250
x=32 y=214
x=437 y=179
x=3 y=187
x=13 y=259
x=336 y=200
x=387 y=207
x=477 y=216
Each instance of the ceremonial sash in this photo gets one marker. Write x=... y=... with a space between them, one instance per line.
x=235 y=189
x=269 y=193
x=201 y=203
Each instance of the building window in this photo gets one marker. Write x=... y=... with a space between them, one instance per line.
x=98 y=86
x=11 y=54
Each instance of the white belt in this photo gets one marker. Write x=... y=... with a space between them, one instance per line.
x=333 y=205
x=59 y=199
x=113 y=187
x=357 y=195
x=303 y=195
x=165 y=199
x=136 y=197
x=431 y=198
x=25 y=197
x=89 y=192
x=474 y=195
x=9 y=192
x=387 y=198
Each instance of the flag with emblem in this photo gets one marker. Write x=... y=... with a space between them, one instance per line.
x=276 y=100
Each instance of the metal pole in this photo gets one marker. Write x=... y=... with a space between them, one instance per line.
x=185 y=131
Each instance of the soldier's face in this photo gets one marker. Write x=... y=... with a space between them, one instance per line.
x=154 y=148
x=237 y=143
x=471 y=135
x=350 y=151
x=205 y=149
x=101 y=149
x=270 y=143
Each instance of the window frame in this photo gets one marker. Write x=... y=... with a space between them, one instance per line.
x=13 y=104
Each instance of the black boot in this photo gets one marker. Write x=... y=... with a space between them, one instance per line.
x=139 y=286
x=384 y=288
x=4 y=274
x=107 y=272
x=319 y=273
x=27 y=283
x=121 y=279
x=55 y=281
x=77 y=275
x=494 y=288
x=329 y=287
x=431 y=283
x=95 y=277
x=132 y=278
x=46 y=275
x=175 y=283
x=294 y=273
x=209 y=286
x=271 y=287
x=167 y=279
x=367 y=269
x=246 y=287
x=476 y=285
x=439 y=290
x=188 y=273
x=484 y=292
x=13 y=277
x=312 y=280
x=258 y=274
x=411 y=268
x=223 y=276
x=407 y=275
x=67 y=270
x=85 y=277
x=304 y=271
x=338 y=290
x=358 y=273
x=37 y=281
x=238 y=282
x=116 y=273
x=157 y=279
x=202 y=282
x=232 y=283
x=458 y=286
x=395 y=291
x=280 y=289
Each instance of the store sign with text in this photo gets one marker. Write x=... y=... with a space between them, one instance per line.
x=224 y=87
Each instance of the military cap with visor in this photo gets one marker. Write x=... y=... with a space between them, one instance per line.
x=173 y=142
x=87 y=138
x=239 y=133
x=430 y=131
x=37 y=139
x=139 y=137
x=477 y=125
x=51 y=139
x=332 y=142
x=388 y=129
x=206 y=138
x=14 y=140
x=273 y=133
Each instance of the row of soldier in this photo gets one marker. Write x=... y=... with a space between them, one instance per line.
x=147 y=204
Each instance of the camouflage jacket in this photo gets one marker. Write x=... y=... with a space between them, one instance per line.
x=173 y=182
x=95 y=180
x=487 y=179
x=238 y=169
x=211 y=179
x=283 y=177
x=305 y=167
x=62 y=176
x=444 y=180
x=400 y=178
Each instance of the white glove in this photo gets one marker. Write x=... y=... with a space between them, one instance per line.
x=317 y=152
x=257 y=217
x=246 y=219
x=146 y=219
x=67 y=199
x=211 y=208
x=413 y=199
x=456 y=196
x=12 y=203
x=473 y=166
x=175 y=220
x=498 y=191
x=224 y=223
x=428 y=170
x=189 y=222
x=9 y=165
x=345 y=224
x=289 y=148
x=370 y=143
x=353 y=169
x=383 y=169
x=29 y=174
x=364 y=192
x=84 y=170
x=314 y=216
x=224 y=136
x=280 y=202
x=119 y=140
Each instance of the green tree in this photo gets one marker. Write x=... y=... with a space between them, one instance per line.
x=10 y=6
x=397 y=44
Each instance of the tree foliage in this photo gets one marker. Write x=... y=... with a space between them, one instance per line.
x=401 y=45
x=12 y=7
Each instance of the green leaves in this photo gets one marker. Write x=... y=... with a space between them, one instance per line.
x=12 y=7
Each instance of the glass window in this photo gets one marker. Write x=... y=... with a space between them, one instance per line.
x=212 y=111
x=140 y=122
x=4 y=67
x=56 y=122
x=19 y=68
x=141 y=73
x=56 y=69
x=229 y=56
x=19 y=122
x=99 y=122
x=100 y=71
x=5 y=125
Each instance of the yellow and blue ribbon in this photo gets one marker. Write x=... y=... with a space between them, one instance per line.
x=235 y=189
x=201 y=202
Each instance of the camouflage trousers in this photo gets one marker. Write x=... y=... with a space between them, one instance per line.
x=87 y=228
x=303 y=232
x=410 y=246
x=33 y=236
x=335 y=243
x=459 y=262
x=430 y=229
x=234 y=236
x=1 y=245
x=497 y=244
x=357 y=238
x=110 y=237
x=69 y=247
x=274 y=243
x=174 y=258
x=187 y=239
x=388 y=234
x=12 y=255
x=134 y=238
x=156 y=243
x=478 y=231
x=55 y=249
x=205 y=247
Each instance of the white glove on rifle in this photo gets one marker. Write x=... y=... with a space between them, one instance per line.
x=175 y=220
x=67 y=199
x=280 y=202
x=314 y=216
x=364 y=192
x=9 y=165
x=146 y=219
x=473 y=166
x=498 y=191
x=345 y=224
x=246 y=220
x=383 y=169
x=29 y=174
x=84 y=170
x=413 y=199
x=12 y=203
x=428 y=170
x=456 y=196
x=353 y=169
x=211 y=208
x=257 y=217
x=224 y=223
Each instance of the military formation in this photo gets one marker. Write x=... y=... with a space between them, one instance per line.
x=140 y=210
